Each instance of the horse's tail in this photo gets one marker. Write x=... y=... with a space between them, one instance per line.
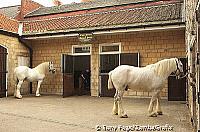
x=110 y=83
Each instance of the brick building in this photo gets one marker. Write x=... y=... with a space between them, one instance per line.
x=99 y=35
x=100 y=32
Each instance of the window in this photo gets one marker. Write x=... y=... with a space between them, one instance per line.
x=114 y=48
x=81 y=49
x=23 y=61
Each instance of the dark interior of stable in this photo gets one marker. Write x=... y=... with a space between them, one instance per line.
x=82 y=75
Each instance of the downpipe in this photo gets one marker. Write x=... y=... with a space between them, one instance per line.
x=31 y=57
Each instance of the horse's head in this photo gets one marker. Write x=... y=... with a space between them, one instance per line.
x=179 y=68
x=51 y=68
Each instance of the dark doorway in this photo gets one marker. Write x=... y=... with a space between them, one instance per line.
x=3 y=71
x=82 y=75
x=74 y=70
x=177 y=87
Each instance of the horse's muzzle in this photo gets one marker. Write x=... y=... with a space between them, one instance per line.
x=52 y=71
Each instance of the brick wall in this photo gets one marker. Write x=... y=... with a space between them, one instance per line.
x=14 y=49
x=191 y=31
x=152 y=46
x=51 y=50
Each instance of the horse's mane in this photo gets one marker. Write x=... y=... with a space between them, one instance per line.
x=161 y=68
x=41 y=68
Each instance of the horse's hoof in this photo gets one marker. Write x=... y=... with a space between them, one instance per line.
x=115 y=113
x=37 y=95
x=159 y=113
x=153 y=115
x=18 y=97
x=124 y=116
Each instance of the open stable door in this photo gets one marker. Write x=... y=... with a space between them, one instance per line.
x=68 y=76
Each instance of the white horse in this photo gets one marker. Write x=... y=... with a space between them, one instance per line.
x=22 y=73
x=149 y=78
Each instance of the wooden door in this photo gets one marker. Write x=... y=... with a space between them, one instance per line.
x=68 y=77
x=177 y=87
x=107 y=63
x=3 y=71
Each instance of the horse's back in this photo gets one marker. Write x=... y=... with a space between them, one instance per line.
x=21 y=69
x=121 y=74
x=133 y=77
x=21 y=72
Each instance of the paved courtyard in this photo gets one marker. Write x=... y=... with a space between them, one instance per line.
x=85 y=114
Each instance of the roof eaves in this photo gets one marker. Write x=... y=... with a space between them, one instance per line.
x=9 y=33
x=124 y=26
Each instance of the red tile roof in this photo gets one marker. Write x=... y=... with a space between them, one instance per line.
x=107 y=19
x=8 y=24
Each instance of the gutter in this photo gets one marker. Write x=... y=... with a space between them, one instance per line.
x=31 y=56
x=104 y=31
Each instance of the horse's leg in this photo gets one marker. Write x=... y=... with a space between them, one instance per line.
x=38 y=88
x=158 y=108
x=115 y=106
x=121 y=112
x=18 y=95
x=151 y=105
x=15 y=92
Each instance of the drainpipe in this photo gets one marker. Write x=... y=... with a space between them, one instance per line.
x=31 y=56
x=27 y=46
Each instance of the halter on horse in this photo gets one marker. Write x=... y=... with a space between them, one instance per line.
x=36 y=74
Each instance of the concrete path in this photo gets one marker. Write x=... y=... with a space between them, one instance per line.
x=86 y=114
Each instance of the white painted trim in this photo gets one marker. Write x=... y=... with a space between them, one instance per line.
x=140 y=29
x=109 y=44
x=78 y=46
x=20 y=29
x=183 y=11
x=53 y=36
x=138 y=59
x=181 y=26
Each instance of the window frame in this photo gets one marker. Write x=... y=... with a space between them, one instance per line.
x=110 y=52
x=79 y=46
